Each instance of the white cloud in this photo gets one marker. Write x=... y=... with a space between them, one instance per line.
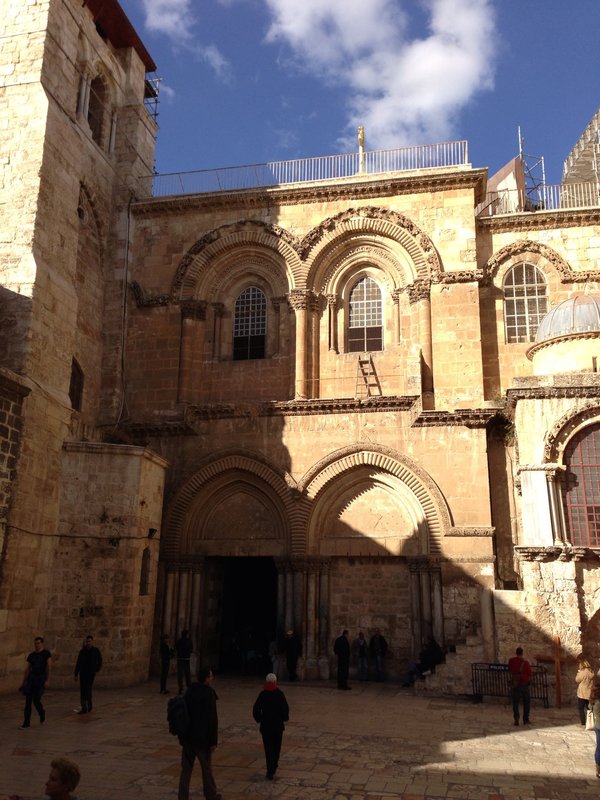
x=404 y=89
x=176 y=20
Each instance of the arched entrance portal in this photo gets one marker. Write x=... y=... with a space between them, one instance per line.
x=241 y=614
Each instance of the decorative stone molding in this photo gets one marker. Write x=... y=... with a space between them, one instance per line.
x=563 y=430
x=375 y=221
x=535 y=348
x=565 y=552
x=144 y=301
x=463 y=276
x=468 y=418
x=419 y=290
x=226 y=238
x=521 y=250
x=194 y=309
x=301 y=300
x=484 y=532
x=278 y=485
x=540 y=220
x=420 y=483
x=337 y=190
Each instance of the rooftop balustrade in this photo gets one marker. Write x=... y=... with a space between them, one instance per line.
x=559 y=197
x=368 y=163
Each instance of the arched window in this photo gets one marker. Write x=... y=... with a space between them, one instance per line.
x=250 y=325
x=145 y=572
x=581 y=487
x=525 y=302
x=76 y=385
x=97 y=109
x=365 y=332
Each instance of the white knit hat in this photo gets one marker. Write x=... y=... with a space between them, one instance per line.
x=271 y=678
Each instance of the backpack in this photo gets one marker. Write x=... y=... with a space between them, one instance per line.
x=178 y=715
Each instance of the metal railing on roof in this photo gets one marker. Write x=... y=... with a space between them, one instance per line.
x=305 y=170
x=558 y=197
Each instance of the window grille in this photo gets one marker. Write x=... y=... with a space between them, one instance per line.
x=250 y=325
x=525 y=302
x=365 y=332
x=581 y=487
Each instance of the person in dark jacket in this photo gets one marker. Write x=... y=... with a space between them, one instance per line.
x=89 y=662
x=341 y=648
x=271 y=711
x=184 y=649
x=292 y=647
x=201 y=740
x=35 y=680
x=166 y=653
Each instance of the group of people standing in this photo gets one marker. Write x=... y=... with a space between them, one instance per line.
x=36 y=677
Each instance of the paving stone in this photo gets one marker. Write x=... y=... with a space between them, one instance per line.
x=393 y=745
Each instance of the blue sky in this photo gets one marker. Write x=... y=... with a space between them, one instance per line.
x=249 y=81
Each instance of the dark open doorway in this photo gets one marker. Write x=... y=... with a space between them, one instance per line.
x=249 y=614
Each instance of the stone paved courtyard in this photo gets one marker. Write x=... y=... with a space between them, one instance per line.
x=377 y=741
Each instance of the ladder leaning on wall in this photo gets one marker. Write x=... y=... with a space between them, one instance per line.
x=367 y=382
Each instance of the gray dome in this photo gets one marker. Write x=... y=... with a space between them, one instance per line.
x=576 y=315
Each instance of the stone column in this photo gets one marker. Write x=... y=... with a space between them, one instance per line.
x=183 y=608
x=193 y=321
x=298 y=300
x=323 y=612
x=83 y=99
x=315 y=342
x=397 y=326
x=289 y=598
x=332 y=303
x=420 y=293
x=276 y=327
x=219 y=312
x=415 y=607
x=311 y=620
x=196 y=607
x=298 y=576
x=168 y=622
x=437 y=606
x=555 y=503
x=113 y=132
x=426 y=621
x=280 y=600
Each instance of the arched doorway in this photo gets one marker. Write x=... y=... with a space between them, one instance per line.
x=241 y=613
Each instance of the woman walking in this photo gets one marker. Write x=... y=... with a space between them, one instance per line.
x=585 y=683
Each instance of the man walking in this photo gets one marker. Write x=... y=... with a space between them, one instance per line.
x=183 y=648
x=89 y=662
x=201 y=739
x=166 y=654
x=520 y=676
x=271 y=711
x=35 y=680
x=341 y=648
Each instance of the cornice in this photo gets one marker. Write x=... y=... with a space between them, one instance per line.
x=468 y=418
x=540 y=220
x=416 y=182
x=551 y=392
x=564 y=552
x=565 y=337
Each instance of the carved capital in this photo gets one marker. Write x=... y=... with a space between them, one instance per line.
x=419 y=290
x=193 y=309
x=300 y=299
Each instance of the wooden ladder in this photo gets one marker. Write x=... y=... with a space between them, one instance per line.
x=367 y=382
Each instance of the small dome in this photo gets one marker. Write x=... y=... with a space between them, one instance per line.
x=578 y=314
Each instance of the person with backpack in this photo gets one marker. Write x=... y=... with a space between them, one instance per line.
x=520 y=676
x=199 y=739
x=271 y=711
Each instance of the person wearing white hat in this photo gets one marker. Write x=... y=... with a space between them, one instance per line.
x=271 y=711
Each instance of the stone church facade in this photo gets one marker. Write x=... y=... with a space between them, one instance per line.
x=318 y=404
